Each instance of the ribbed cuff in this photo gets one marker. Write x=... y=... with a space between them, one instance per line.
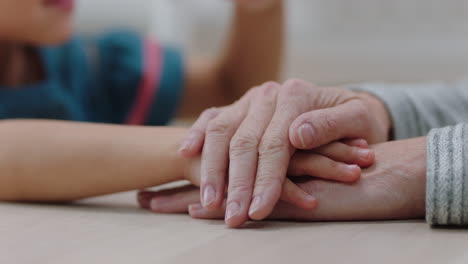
x=447 y=176
x=399 y=104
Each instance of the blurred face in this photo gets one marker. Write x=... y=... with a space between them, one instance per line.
x=36 y=22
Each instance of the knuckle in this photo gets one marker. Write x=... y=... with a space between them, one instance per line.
x=218 y=127
x=296 y=87
x=250 y=93
x=329 y=123
x=242 y=144
x=293 y=87
x=295 y=83
x=210 y=113
x=271 y=146
x=362 y=112
x=268 y=88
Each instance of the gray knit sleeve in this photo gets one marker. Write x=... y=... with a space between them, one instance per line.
x=418 y=108
x=447 y=176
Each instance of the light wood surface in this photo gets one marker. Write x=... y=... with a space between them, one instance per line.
x=112 y=229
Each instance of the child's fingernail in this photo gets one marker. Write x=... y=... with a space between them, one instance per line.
x=305 y=134
x=365 y=154
x=233 y=209
x=156 y=204
x=353 y=170
x=311 y=201
x=255 y=206
x=195 y=207
x=209 y=195
x=144 y=200
x=362 y=143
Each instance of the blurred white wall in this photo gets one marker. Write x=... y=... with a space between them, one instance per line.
x=329 y=41
x=93 y=16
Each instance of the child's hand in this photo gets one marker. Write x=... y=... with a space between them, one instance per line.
x=327 y=162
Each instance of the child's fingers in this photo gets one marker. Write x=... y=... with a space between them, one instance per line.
x=193 y=142
x=198 y=212
x=173 y=204
x=294 y=195
x=171 y=201
x=317 y=165
x=342 y=152
x=359 y=142
x=144 y=199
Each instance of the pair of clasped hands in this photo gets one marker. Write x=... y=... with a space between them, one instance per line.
x=296 y=151
x=254 y=151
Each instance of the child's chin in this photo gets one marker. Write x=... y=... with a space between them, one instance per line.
x=55 y=38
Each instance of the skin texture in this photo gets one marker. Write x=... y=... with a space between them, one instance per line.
x=251 y=141
x=393 y=188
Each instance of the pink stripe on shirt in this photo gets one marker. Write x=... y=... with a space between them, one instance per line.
x=149 y=86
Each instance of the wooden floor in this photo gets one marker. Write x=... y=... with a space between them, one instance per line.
x=113 y=230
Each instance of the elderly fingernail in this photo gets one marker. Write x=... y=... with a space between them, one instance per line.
x=156 y=204
x=209 y=195
x=305 y=135
x=232 y=210
x=255 y=206
x=186 y=145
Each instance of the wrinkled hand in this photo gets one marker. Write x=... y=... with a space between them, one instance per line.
x=394 y=188
x=250 y=142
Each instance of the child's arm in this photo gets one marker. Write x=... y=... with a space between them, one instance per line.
x=252 y=56
x=63 y=161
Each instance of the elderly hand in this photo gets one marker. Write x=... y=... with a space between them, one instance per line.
x=253 y=140
x=394 y=188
